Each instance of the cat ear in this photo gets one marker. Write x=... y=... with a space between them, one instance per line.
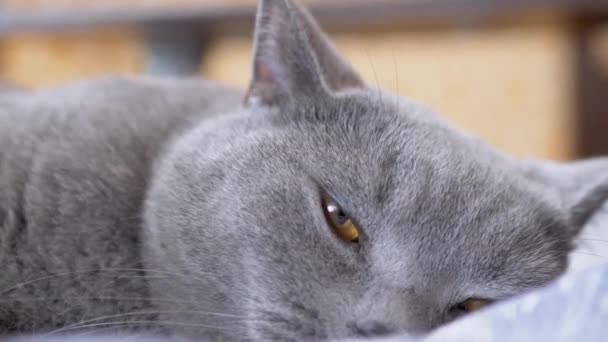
x=293 y=57
x=337 y=72
x=582 y=187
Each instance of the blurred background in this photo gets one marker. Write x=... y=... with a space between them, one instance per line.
x=528 y=76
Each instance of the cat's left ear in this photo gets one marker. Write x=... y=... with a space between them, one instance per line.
x=293 y=57
x=581 y=187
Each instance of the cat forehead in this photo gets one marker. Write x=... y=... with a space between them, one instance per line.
x=389 y=148
x=380 y=139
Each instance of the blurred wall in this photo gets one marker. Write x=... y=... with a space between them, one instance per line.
x=511 y=85
x=39 y=60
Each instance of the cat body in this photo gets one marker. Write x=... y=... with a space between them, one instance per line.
x=184 y=207
x=75 y=165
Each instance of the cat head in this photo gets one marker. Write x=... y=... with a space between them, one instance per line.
x=325 y=208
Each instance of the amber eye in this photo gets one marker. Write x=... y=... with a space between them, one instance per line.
x=471 y=305
x=339 y=221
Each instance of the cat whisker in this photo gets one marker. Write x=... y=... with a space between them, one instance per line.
x=135 y=277
x=137 y=313
x=592 y=239
x=371 y=63
x=93 y=332
x=65 y=274
x=137 y=323
x=161 y=272
x=151 y=299
x=590 y=254
x=396 y=78
x=90 y=332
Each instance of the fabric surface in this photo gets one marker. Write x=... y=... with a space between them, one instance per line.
x=573 y=309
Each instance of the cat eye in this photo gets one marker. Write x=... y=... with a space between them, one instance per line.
x=471 y=305
x=341 y=223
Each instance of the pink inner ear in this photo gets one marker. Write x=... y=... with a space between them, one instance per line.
x=270 y=74
x=268 y=84
x=264 y=72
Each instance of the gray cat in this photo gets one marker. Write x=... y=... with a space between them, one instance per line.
x=311 y=207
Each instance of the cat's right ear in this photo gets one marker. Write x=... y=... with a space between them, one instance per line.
x=580 y=187
x=293 y=57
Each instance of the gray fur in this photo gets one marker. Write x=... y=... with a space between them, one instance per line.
x=141 y=201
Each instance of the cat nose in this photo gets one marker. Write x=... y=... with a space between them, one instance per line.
x=371 y=329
